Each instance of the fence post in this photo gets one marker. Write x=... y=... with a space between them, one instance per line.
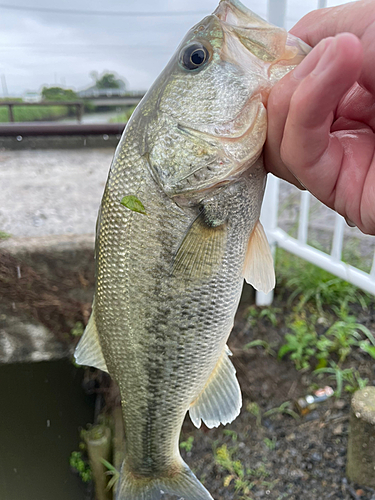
x=79 y=109
x=11 y=116
x=268 y=218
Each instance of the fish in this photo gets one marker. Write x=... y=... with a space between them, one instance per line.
x=178 y=231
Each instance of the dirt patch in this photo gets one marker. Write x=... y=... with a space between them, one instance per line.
x=48 y=289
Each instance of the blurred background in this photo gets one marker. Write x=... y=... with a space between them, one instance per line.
x=71 y=44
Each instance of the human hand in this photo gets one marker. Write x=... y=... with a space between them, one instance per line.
x=321 y=116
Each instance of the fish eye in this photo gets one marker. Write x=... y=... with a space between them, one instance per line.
x=194 y=56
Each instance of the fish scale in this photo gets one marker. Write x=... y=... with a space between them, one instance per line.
x=169 y=275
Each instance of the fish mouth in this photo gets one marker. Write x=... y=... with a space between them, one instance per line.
x=267 y=42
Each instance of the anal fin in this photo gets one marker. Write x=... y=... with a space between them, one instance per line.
x=88 y=351
x=220 y=401
x=258 y=268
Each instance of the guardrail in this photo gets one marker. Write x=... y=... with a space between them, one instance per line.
x=33 y=130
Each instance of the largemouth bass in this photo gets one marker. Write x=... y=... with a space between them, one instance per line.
x=178 y=231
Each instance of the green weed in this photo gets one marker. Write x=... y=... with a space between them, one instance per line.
x=284 y=409
x=81 y=465
x=188 y=444
x=349 y=375
x=33 y=113
x=112 y=471
x=261 y=343
x=301 y=344
x=270 y=443
x=243 y=479
x=312 y=284
x=344 y=334
x=77 y=330
x=254 y=409
x=268 y=313
x=232 y=434
x=4 y=235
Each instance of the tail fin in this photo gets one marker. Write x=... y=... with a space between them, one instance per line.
x=184 y=484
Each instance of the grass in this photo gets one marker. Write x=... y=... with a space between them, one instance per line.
x=4 y=235
x=312 y=284
x=305 y=347
x=123 y=117
x=33 y=113
x=349 y=375
x=324 y=328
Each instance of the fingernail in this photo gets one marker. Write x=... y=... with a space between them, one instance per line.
x=349 y=222
x=326 y=59
x=312 y=60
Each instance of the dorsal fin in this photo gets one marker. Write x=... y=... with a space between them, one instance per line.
x=258 y=268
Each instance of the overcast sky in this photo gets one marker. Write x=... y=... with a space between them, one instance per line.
x=38 y=47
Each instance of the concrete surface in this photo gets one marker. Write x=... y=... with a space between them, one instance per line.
x=46 y=192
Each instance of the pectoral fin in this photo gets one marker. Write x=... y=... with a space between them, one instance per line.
x=88 y=351
x=201 y=251
x=258 y=268
x=220 y=401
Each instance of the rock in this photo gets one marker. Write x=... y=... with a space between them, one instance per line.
x=339 y=404
x=337 y=431
x=361 y=447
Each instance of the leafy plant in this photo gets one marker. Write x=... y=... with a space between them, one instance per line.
x=262 y=343
x=4 y=235
x=312 y=284
x=81 y=465
x=223 y=457
x=188 y=444
x=301 y=344
x=349 y=375
x=270 y=443
x=284 y=408
x=254 y=409
x=112 y=471
x=264 y=312
x=232 y=434
x=343 y=335
x=78 y=329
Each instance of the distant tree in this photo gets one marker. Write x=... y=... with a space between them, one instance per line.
x=58 y=94
x=107 y=81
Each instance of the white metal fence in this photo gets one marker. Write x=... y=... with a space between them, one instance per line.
x=331 y=262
